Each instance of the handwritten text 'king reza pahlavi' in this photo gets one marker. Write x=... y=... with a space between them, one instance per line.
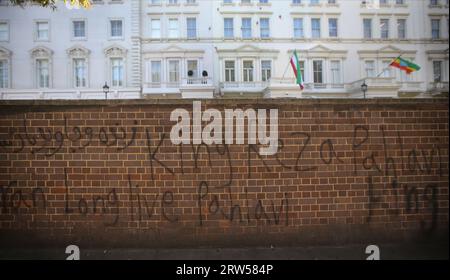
x=212 y=132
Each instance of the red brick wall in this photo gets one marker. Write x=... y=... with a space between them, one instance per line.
x=107 y=172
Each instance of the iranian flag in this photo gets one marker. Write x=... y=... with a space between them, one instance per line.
x=296 y=67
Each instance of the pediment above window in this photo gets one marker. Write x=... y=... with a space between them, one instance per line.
x=320 y=48
x=320 y=51
x=175 y=51
x=5 y=53
x=173 y=48
x=248 y=50
x=437 y=54
x=385 y=52
x=115 y=51
x=78 y=51
x=41 y=52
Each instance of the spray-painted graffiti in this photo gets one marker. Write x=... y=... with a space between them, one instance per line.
x=222 y=198
x=49 y=142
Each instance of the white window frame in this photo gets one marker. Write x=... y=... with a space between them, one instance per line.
x=337 y=27
x=340 y=74
x=320 y=28
x=232 y=35
x=374 y=69
x=441 y=75
x=302 y=27
x=169 y=29
x=154 y=29
x=267 y=36
x=36 y=32
x=112 y=52
x=439 y=28
x=253 y=72
x=78 y=52
x=264 y=71
x=73 y=29
x=195 y=30
x=40 y=53
x=197 y=70
x=322 y=62
x=247 y=29
x=5 y=55
x=364 y=29
x=178 y=81
x=302 y=69
x=121 y=81
x=38 y=73
x=387 y=71
x=6 y=22
x=151 y=71
x=225 y=69
x=74 y=73
x=405 y=28
x=387 y=29
x=111 y=37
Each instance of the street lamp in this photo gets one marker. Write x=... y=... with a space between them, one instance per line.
x=106 y=90
x=364 y=88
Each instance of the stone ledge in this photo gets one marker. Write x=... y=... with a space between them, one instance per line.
x=256 y=101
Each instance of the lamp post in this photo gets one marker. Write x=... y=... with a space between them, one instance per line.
x=364 y=88
x=106 y=90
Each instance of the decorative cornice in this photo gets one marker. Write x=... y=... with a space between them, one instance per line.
x=437 y=54
x=387 y=50
x=41 y=51
x=247 y=49
x=321 y=51
x=115 y=50
x=174 y=51
x=5 y=53
x=78 y=51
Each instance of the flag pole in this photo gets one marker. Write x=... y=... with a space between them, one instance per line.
x=389 y=65
x=287 y=66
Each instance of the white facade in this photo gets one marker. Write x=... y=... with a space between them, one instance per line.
x=47 y=50
x=224 y=48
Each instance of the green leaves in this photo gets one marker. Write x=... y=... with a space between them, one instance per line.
x=86 y=4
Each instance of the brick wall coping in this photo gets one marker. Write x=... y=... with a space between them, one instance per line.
x=259 y=101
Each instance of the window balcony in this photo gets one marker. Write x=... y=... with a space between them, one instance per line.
x=438 y=88
x=288 y=88
x=185 y=82
x=308 y=86
x=187 y=88
x=70 y=94
x=197 y=81
x=410 y=87
x=242 y=87
x=197 y=88
x=242 y=84
x=376 y=87
x=248 y=89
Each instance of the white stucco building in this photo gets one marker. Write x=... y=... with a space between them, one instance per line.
x=69 y=53
x=223 y=48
